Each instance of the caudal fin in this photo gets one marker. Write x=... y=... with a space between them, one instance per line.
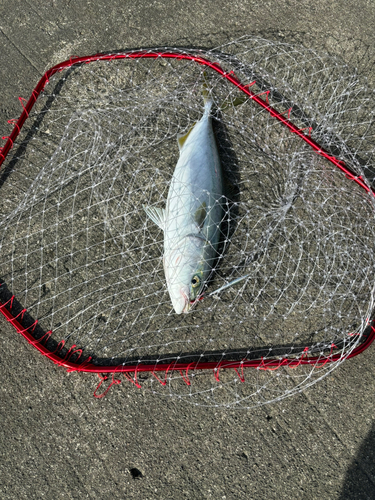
x=206 y=93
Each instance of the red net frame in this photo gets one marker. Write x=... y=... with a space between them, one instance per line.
x=86 y=365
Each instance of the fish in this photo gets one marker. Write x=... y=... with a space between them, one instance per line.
x=192 y=217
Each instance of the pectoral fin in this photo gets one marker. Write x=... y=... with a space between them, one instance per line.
x=228 y=285
x=156 y=214
x=201 y=214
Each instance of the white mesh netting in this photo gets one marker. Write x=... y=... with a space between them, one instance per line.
x=79 y=252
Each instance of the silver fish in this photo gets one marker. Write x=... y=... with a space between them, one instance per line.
x=193 y=213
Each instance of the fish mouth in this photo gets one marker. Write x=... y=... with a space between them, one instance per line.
x=184 y=304
x=193 y=303
x=187 y=305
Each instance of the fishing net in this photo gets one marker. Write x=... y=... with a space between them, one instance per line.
x=81 y=264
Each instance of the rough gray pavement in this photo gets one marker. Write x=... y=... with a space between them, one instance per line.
x=56 y=440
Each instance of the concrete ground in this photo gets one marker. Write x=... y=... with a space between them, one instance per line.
x=56 y=440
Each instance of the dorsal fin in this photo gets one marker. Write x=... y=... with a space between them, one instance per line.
x=181 y=139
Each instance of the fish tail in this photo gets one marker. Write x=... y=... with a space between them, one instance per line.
x=206 y=93
x=207 y=107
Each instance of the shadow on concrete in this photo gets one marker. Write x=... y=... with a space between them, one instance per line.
x=359 y=482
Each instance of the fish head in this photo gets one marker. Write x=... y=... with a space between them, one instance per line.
x=185 y=296
x=185 y=279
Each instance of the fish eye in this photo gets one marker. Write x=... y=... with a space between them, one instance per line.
x=195 y=281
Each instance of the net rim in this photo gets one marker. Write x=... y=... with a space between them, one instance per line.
x=86 y=365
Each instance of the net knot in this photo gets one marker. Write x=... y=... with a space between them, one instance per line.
x=8 y=138
x=133 y=380
x=22 y=101
x=14 y=122
x=102 y=379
